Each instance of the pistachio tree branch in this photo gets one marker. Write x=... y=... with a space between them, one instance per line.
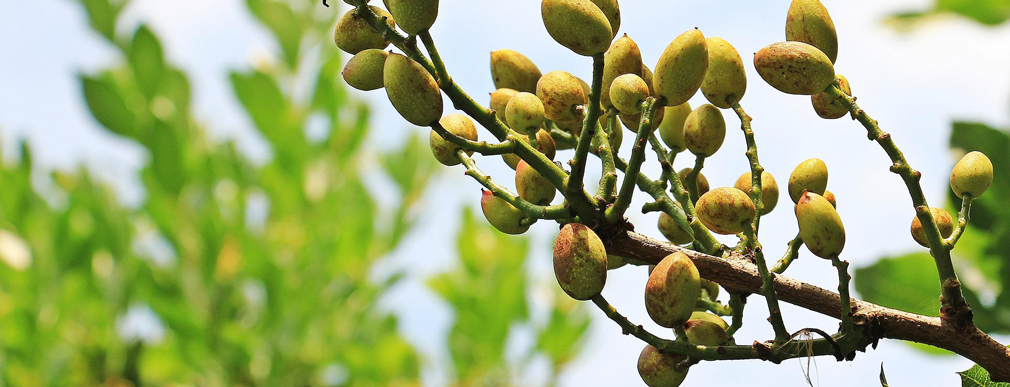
x=963 y=217
x=872 y=322
x=556 y=212
x=616 y=212
x=704 y=240
x=737 y=302
x=843 y=293
x=482 y=147
x=792 y=252
x=691 y=180
x=953 y=305
x=608 y=179
x=714 y=307
x=575 y=182
x=756 y=170
x=767 y=287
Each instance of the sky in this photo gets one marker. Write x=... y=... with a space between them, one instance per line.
x=914 y=82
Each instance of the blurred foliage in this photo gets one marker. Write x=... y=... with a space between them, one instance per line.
x=233 y=272
x=987 y=12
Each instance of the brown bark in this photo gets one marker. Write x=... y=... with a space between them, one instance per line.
x=738 y=274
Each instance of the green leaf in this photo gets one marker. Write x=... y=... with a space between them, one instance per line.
x=266 y=104
x=883 y=379
x=102 y=17
x=914 y=274
x=977 y=376
x=285 y=25
x=108 y=105
x=147 y=60
x=986 y=12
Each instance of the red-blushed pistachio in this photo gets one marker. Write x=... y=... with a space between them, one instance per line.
x=672 y=290
x=681 y=68
x=794 y=68
x=944 y=222
x=658 y=369
x=725 y=210
x=524 y=112
x=445 y=151
x=811 y=175
x=704 y=130
x=578 y=25
x=512 y=70
x=623 y=57
x=808 y=21
x=671 y=130
x=672 y=231
x=828 y=107
x=580 y=261
x=412 y=91
x=831 y=198
x=414 y=16
x=561 y=93
x=353 y=34
x=706 y=316
x=702 y=182
x=725 y=78
x=707 y=333
x=502 y=215
x=769 y=189
x=628 y=92
x=820 y=227
x=532 y=186
x=972 y=175
x=364 y=70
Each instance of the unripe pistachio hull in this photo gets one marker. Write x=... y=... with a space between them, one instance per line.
x=810 y=175
x=671 y=129
x=972 y=175
x=704 y=130
x=681 y=69
x=672 y=290
x=578 y=25
x=706 y=316
x=364 y=70
x=414 y=16
x=702 y=182
x=524 y=112
x=628 y=92
x=672 y=231
x=580 y=261
x=820 y=227
x=412 y=90
x=532 y=186
x=794 y=68
x=499 y=101
x=623 y=57
x=725 y=79
x=353 y=34
x=828 y=107
x=658 y=369
x=769 y=189
x=445 y=151
x=561 y=93
x=808 y=21
x=613 y=12
x=502 y=215
x=707 y=333
x=512 y=70
x=944 y=223
x=725 y=210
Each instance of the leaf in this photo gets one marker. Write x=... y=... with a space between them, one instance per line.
x=147 y=61
x=285 y=25
x=914 y=274
x=976 y=376
x=102 y=17
x=107 y=105
x=986 y=12
x=883 y=379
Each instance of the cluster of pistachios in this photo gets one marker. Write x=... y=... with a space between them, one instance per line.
x=542 y=113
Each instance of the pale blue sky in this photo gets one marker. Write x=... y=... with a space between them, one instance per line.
x=915 y=83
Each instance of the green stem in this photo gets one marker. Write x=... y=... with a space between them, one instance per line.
x=574 y=183
x=962 y=222
x=714 y=307
x=767 y=287
x=692 y=178
x=952 y=300
x=792 y=252
x=482 y=147
x=704 y=240
x=555 y=212
x=737 y=303
x=616 y=212
x=756 y=170
x=843 y=293
x=608 y=178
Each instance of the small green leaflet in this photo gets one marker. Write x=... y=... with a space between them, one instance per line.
x=883 y=379
x=977 y=376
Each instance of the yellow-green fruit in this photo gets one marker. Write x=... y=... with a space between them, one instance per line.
x=545 y=144
x=633 y=120
x=502 y=215
x=623 y=57
x=353 y=34
x=524 y=112
x=972 y=175
x=445 y=151
x=586 y=89
x=578 y=25
x=711 y=287
x=672 y=290
x=560 y=93
x=672 y=127
x=500 y=99
x=364 y=70
x=681 y=68
x=725 y=78
x=831 y=198
x=706 y=316
x=808 y=21
x=702 y=182
x=613 y=12
x=615 y=262
x=412 y=90
x=512 y=70
x=769 y=189
x=672 y=231
x=794 y=68
x=647 y=75
x=725 y=210
x=580 y=261
x=628 y=92
x=704 y=130
x=828 y=107
x=532 y=186
x=944 y=222
x=414 y=16
x=707 y=333
x=820 y=227
x=811 y=175
x=658 y=369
